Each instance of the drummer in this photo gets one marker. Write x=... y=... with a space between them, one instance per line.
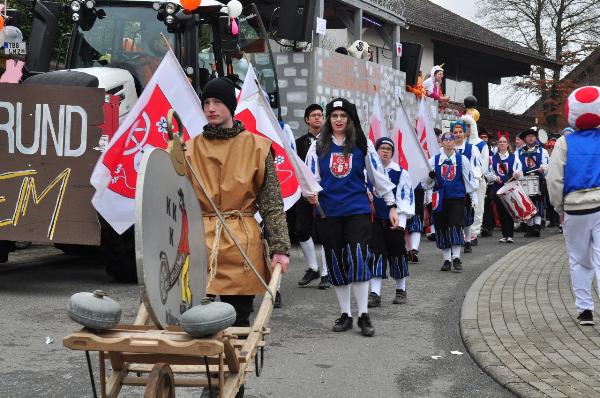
x=505 y=166
x=534 y=159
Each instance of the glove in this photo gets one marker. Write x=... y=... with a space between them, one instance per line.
x=432 y=174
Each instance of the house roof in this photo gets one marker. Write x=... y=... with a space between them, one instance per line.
x=427 y=16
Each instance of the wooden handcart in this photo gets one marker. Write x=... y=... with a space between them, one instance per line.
x=143 y=355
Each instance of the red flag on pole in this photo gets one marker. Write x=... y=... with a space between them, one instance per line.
x=115 y=174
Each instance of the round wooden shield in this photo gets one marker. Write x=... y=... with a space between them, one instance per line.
x=169 y=240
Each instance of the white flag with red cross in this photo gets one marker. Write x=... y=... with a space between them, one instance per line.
x=425 y=131
x=144 y=127
x=377 y=127
x=257 y=116
x=409 y=153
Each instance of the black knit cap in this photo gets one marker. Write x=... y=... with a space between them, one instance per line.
x=222 y=89
x=525 y=133
x=340 y=104
x=385 y=140
x=348 y=107
x=311 y=108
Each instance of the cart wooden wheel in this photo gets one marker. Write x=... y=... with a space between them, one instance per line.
x=161 y=383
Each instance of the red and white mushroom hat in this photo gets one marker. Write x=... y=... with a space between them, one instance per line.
x=582 y=108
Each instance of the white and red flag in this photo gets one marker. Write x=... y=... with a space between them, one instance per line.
x=254 y=111
x=144 y=127
x=409 y=153
x=425 y=131
x=377 y=127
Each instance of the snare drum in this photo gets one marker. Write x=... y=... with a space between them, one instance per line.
x=531 y=185
x=516 y=201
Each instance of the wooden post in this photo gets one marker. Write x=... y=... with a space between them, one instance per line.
x=396 y=39
x=319 y=12
x=357 y=28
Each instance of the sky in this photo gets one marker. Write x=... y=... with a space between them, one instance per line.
x=466 y=8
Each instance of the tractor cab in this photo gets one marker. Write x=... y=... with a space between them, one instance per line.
x=134 y=35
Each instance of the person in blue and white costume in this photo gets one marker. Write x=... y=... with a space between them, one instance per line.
x=484 y=152
x=534 y=159
x=574 y=190
x=388 y=245
x=471 y=152
x=339 y=159
x=456 y=187
x=504 y=167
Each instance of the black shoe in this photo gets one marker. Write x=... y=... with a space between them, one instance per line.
x=343 y=323
x=365 y=325
x=277 y=303
x=536 y=231
x=374 y=300
x=586 y=318
x=400 y=297
x=431 y=237
x=474 y=242
x=485 y=233
x=468 y=248
x=324 y=284
x=308 y=277
x=447 y=266
x=530 y=233
x=413 y=256
x=522 y=227
x=457 y=264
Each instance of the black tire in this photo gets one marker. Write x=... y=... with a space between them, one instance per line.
x=6 y=246
x=76 y=250
x=119 y=253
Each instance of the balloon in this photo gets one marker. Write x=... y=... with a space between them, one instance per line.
x=234 y=27
x=235 y=8
x=470 y=102
x=190 y=5
x=474 y=114
x=1 y=22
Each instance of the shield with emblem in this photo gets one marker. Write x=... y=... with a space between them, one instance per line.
x=530 y=161
x=340 y=164
x=501 y=169
x=448 y=172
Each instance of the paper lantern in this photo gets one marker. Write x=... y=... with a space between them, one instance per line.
x=582 y=108
x=190 y=5
x=474 y=114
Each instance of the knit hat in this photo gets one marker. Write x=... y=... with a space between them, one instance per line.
x=348 y=107
x=385 y=140
x=340 y=104
x=311 y=108
x=222 y=89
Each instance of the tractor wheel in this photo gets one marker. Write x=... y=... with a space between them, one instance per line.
x=6 y=246
x=76 y=250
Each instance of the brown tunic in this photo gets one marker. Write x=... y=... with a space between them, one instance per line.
x=233 y=171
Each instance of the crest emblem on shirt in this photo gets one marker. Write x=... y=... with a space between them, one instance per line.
x=435 y=200
x=448 y=172
x=501 y=169
x=340 y=165
x=530 y=161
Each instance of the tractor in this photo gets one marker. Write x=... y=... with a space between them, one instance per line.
x=116 y=45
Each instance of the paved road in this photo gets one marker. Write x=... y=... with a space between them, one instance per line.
x=519 y=322
x=304 y=358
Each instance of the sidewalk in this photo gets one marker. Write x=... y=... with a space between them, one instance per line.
x=519 y=324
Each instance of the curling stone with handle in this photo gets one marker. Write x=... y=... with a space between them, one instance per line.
x=94 y=310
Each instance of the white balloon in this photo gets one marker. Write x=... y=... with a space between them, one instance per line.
x=235 y=8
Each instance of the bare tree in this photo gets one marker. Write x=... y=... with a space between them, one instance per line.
x=563 y=30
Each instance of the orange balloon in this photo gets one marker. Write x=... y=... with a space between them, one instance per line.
x=190 y=5
x=1 y=22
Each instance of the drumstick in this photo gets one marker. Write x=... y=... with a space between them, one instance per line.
x=532 y=171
